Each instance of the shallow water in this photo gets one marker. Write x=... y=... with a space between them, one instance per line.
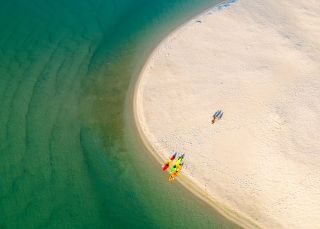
x=66 y=157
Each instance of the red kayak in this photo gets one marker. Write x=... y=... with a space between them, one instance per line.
x=167 y=165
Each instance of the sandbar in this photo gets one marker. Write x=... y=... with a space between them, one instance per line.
x=259 y=62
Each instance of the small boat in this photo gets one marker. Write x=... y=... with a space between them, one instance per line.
x=178 y=162
x=167 y=165
x=175 y=173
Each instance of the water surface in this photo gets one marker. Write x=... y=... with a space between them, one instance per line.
x=66 y=159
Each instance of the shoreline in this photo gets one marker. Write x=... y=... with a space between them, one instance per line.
x=190 y=184
x=266 y=184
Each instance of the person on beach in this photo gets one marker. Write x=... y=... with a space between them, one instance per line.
x=213 y=120
x=217 y=116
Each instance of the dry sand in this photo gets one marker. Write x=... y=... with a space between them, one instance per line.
x=258 y=61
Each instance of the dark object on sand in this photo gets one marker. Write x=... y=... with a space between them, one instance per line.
x=217 y=116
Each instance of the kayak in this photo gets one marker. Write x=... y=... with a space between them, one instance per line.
x=178 y=162
x=167 y=165
x=175 y=173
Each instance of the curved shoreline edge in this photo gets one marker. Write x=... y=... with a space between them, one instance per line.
x=258 y=61
x=237 y=217
x=230 y=214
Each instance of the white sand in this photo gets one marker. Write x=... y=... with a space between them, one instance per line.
x=259 y=61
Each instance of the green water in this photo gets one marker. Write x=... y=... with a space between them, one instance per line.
x=68 y=155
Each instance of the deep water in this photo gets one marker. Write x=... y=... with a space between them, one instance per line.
x=66 y=159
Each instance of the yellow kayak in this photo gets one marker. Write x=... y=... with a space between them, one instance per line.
x=178 y=162
x=175 y=173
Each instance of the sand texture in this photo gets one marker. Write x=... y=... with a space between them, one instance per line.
x=258 y=61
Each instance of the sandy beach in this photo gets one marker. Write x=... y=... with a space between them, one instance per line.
x=258 y=61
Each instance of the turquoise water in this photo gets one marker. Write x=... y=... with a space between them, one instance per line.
x=68 y=155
